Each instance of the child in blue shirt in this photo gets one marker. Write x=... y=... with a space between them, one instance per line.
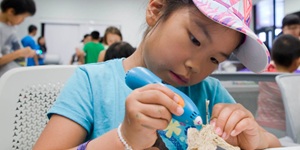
x=29 y=41
x=183 y=45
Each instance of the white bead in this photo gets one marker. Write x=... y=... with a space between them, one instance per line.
x=127 y=147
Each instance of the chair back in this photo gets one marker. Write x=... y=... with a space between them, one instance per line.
x=26 y=95
x=289 y=85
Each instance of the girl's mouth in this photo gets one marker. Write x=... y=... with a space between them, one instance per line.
x=180 y=80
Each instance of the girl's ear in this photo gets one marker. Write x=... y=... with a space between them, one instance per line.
x=298 y=61
x=154 y=10
x=295 y=64
x=10 y=11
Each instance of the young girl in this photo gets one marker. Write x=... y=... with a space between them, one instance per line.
x=182 y=46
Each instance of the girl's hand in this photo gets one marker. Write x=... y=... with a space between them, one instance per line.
x=238 y=127
x=148 y=109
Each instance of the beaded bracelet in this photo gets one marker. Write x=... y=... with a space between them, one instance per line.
x=83 y=146
x=127 y=147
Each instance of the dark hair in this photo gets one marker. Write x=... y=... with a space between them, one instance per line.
x=285 y=50
x=32 y=28
x=112 y=30
x=85 y=37
x=118 y=50
x=101 y=40
x=170 y=7
x=290 y=19
x=95 y=35
x=20 y=6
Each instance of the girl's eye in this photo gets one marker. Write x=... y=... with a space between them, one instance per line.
x=195 y=41
x=214 y=60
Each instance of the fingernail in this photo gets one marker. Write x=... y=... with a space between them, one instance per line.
x=233 y=133
x=176 y=99
x=224 y=135
x=179 y=110
x=213 y=123
x=218 y=131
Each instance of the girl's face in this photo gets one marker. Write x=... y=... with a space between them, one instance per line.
x=112 y=38
x=187 y=47
x=42 y=41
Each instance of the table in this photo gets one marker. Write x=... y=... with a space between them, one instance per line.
x=285 y=148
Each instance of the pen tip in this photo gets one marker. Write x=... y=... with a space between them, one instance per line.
x=198 y=121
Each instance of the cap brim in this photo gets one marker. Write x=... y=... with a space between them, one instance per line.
x=252 y=53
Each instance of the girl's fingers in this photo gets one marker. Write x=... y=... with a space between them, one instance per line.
x=227 y=116
x=243 y=125
x=158 y=87
x=223 y=120
x=159 y=98
x=156 y=112
x=235 y=117
x=221 y=112
x=151 y=123
x=216 y=110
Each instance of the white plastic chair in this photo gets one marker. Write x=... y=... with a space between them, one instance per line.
x=289 y=85
x=26 y=94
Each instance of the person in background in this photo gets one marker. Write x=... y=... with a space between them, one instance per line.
x=286 y=57
x=42 y=44
x=42 y=49
x=86 y=39
x=13 y=12
x=291 y=25
x=78 y=57
x=92 y=49
x=29 y=41
x=119 y=50
x=112 y=35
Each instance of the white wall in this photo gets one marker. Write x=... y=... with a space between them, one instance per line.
x=130 y=14
x=291 y=6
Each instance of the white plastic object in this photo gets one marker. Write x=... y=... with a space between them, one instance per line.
x=26 y=94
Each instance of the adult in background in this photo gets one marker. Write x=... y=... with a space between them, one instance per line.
x=29 y=41
x=93 y=48
x=291 y=25
x=111 y=36
x=78 y=57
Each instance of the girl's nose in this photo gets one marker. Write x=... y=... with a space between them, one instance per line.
x=194 y=66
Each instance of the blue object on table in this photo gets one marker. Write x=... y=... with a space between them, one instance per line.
x=139 y=77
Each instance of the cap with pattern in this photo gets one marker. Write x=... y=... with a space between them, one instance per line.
x=236 y=14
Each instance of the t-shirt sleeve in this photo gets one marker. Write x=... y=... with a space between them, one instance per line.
x=32 y=45
x=75 y=100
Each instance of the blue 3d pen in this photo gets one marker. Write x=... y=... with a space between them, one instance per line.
x=139 y=77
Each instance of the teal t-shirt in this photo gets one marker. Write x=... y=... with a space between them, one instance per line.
x=95 y=95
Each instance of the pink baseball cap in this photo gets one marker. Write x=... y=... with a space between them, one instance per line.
x=236 y=14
